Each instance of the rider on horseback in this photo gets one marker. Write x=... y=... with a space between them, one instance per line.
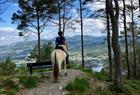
x=60 y=42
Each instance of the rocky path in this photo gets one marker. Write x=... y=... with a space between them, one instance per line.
x=48 y=87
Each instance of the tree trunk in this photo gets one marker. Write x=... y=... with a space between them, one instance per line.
x=126 y=41
x=139 y=4
x=64 y=10
x=82 y=45
x=38 y=32
x=114 y=15
x=133 y=41
x=109 y=43
x=59 y=15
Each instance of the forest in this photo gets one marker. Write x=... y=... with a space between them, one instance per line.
x=116 y=51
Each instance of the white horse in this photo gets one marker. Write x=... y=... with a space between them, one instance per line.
x=58 y=57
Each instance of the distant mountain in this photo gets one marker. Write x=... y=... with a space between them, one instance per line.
x=21 y=49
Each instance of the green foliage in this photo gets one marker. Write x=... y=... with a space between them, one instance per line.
x=132 y=85
x=72 y=65
x=10 y=87
x=7 y=67
x=103 y=92
x=31 y=11
x=88 y=70
x=78 y=85
x=28 y=81
x=22 y=70
x=45 y=51
x=101 y=75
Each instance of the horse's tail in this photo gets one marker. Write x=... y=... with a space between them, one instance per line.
x=55 y=68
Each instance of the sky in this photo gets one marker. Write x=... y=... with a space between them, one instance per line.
x=9 y=33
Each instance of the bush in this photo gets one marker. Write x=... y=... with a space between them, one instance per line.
x=88 y=70
x=132 y=85
x=78 y=85
x=7 y=67
x=73 y=66
x=101 y=75
x=45 y=52
x=29 y=82
x=22 y=70
x=10 y=87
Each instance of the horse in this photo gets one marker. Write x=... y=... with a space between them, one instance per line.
x=58 y=57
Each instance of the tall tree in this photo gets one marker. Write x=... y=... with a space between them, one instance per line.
x=114 y=16
x=126 y=40
x=108 y=41
x=65 y=13
x=133 y=37
x=82 y=45
x=34 y=15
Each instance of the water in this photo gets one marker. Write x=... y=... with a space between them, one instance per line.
x=97 y=69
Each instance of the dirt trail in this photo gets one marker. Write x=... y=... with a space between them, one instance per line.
x=47 y=87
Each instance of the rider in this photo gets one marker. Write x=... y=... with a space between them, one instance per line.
x=60 y=42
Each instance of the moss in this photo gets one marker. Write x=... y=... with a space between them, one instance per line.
x=78 y=85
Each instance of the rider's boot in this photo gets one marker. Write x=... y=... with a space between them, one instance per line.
x=67 y=59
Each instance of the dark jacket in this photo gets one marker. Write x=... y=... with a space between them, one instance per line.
x=60 y=40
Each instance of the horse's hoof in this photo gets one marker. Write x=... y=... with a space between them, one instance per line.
x=60 y=75
x=66 y=74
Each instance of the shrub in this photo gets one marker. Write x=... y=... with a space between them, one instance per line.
x=88 y=70
x=132 y=85
x=78 y=85
x=73 y=66
x=45 y=52
x=7 y=67
x=22 y=70
x=9 y=87
x=101 y=75
x=29 y=82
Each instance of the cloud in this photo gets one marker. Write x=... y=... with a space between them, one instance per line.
x=9 y=35
x=92 y=27
x=95 y=6
x=2 y=38
x=7 y=29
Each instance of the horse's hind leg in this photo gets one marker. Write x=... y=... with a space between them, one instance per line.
x=60 y=70
x=65 y=69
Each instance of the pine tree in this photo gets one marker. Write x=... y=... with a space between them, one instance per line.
x=34 y=15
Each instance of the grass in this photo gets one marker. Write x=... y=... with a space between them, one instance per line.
x=102 y=76
x=132 y=86
x=79 y=85
x=8 y=87
x=12 y=85
x=103 y=92
x=29 y=82
x=87 y=70
x=73 y=66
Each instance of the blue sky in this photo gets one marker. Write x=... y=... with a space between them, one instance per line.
x=9 y=33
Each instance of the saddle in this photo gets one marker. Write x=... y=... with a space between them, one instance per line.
x=59 y=47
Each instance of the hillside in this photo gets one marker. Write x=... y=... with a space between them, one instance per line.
x=21 y=49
